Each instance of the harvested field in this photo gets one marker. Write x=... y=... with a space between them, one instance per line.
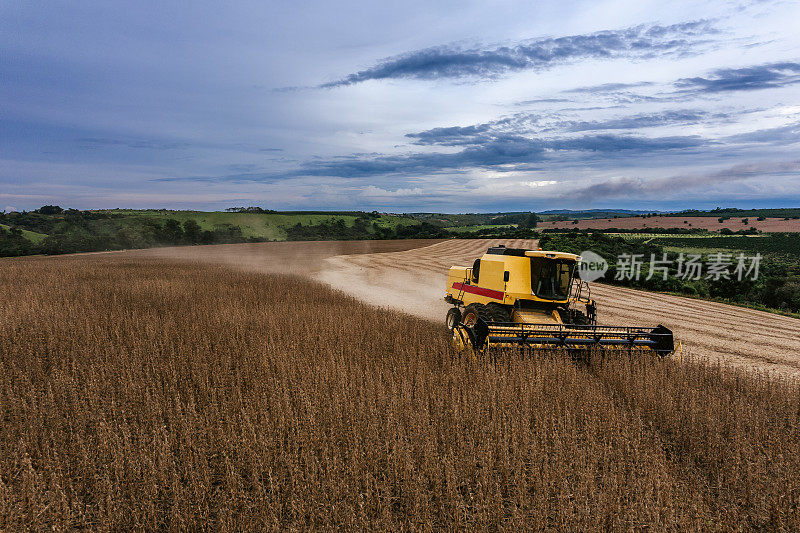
x=146 y=393
x=709 y=223
x=302 y=257
x=413 y=280
x=409 y=276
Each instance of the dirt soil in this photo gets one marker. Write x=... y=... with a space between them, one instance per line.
x=410 y=276
x=295 y=257
x=708 y=223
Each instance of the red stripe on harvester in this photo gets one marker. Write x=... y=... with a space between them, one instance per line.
x=480 y=291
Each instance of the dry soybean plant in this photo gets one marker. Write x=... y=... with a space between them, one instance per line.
x=149 y=394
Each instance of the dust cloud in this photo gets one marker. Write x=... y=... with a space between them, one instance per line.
x=410 y=276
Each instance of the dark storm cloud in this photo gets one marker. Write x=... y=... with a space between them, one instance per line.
x=483 y=152
x=493 y=152
x=767 y=76
x=635 y=187
x=645 y=120
x=521 y=123
x=754 y=77
x=517 y=124
x=618 y=143
x=452 y=62
x=611 y=188
x=452 y=136
x=782 y=135
x=496 y=151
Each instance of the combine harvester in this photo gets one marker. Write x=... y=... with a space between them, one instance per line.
x=512 y=297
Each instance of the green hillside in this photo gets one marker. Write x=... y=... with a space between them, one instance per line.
x=263 y=226
x=32 y=236
x=53 y=230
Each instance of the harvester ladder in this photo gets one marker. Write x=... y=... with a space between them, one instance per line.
x=467 y=277
x=576 y=292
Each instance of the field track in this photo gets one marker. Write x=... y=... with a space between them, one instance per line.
x=410 y=276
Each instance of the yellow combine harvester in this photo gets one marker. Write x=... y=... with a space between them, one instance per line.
x=513 y=297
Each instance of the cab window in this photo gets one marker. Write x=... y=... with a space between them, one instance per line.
x=551 y=279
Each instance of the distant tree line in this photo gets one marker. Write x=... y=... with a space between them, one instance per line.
x=521 y=220
x=676 y=231
x=258 y=210
x=363 y=228
x=785 y=213
x=366 y=229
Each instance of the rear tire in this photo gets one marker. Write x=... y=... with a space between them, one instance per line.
x=489 y=314
x=453 y=318
x=498 y=313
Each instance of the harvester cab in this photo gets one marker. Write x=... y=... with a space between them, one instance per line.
x=513 y=297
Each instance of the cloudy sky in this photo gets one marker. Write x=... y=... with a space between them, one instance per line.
x=403 y=106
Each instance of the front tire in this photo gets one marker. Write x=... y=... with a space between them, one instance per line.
x=477 y=318
x=453 y=318
x=475 y=313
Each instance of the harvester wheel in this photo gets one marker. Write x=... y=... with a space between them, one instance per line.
x=498 y=313
x=474 y=325
x=453 y=318
x=473 y=313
